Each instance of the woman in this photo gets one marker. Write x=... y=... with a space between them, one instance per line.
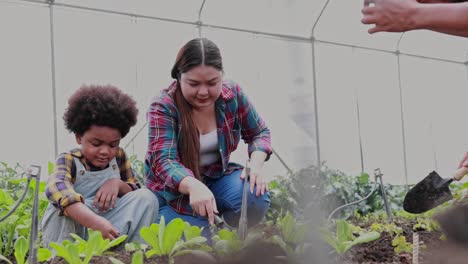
x=194 y=125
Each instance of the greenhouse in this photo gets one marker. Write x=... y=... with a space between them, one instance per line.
x=356 y=121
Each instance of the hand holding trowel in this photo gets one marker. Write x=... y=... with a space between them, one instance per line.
x=431 y=192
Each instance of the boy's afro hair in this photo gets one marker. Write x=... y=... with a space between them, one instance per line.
x=100 y=106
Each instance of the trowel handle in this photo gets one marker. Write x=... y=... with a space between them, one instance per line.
x=460 y=173
x=218 y=221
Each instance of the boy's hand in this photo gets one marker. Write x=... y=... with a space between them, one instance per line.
x=107 y=195
x=106 y=228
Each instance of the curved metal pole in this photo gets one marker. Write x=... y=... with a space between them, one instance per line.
x=402 y=116
x=135 y=136
x=257 y=32
x=53 y=78
x=314 y=80
x=282 y=161
x=199 y=22
x=358 y=114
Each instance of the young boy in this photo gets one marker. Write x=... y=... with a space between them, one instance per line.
x=94 y=186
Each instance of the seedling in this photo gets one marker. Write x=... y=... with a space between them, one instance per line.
x=344 y=239
x=401 y=246
x=95 y=246
x=167 y=240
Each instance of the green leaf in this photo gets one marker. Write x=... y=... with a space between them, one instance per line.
x=179 y=245
x=273 y=184
x=50 y=167
x=5 y=259
x=80 y=242
x=365 y=238
x=150 y=236
x=330 y=239
x=343 y=232
x=152 y=252
x=115 y=242
x=225 y=234
x=137 y=257
x=191 y=231
x=74 y=254
x=93 y=245
x=280 y=242
x=222 y=248
x=287 y=225
x=363 y=179
x=5 y=198
x=43 y=254
x=21 y=249
x=172 y=234
x=134 y=246
x=115 y=261
x=62 y=251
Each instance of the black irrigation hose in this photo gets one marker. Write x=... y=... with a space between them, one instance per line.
x=355 y=202
x=18 y=202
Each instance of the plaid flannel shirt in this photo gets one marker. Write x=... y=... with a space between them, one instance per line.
x=59 y=188
x=235 y=118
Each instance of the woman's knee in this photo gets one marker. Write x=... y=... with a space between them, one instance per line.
x=263 y=201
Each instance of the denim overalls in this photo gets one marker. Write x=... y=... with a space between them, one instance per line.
x=132 y=211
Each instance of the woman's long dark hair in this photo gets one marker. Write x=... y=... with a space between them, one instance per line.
x=199 y=51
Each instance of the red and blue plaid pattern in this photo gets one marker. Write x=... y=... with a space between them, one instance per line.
x=236 y=118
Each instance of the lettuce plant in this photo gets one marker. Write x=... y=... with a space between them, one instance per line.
x=82 y=251
x=291 y=238
x=137 y=258
x=167 y=240
x=401 y=245
x=21 y=249
x=344 y=238
x=227 y=242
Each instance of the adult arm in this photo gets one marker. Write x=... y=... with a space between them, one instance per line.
x=257 y=135
x=401 y=16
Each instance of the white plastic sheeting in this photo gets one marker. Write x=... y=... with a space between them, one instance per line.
x=27 y=131
x=389 y=101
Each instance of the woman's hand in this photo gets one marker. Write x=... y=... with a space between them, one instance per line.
x=201 y=199
x=107 y=195
x=256 y=178
x=257 y=158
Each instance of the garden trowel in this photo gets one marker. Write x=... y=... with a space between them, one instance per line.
x=430 y=192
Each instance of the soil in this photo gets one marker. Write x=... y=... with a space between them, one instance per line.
x=124 y=256
x=432 y=250
x=259 y=252
x=268 y=230
x=382 y=251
